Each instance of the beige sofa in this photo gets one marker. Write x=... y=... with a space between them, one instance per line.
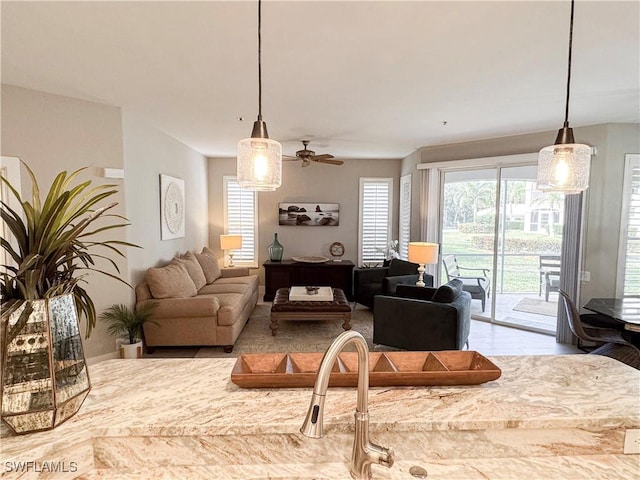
x=197 y=302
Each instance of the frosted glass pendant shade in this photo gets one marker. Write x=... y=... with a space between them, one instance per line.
x=564 y=168
x=259 y=165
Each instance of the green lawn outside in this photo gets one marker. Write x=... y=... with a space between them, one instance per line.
x=518 y=274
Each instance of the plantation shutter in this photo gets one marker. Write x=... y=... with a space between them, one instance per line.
x=240 y=215
x=404 y=228
x=375 y=219
x=631 y=227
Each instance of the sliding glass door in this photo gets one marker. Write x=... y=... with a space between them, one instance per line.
x=498 y=225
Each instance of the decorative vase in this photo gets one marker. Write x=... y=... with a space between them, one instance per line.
x=44 y=372
x=276 y=250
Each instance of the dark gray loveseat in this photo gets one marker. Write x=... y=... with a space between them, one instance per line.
x=423 y=318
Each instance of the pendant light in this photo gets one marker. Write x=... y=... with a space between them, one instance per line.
x=564 y=166
x=259 y=165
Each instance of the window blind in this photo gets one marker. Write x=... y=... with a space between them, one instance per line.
x=240 y=213
x=375 y=219
x=404 y=228
x=631 y=249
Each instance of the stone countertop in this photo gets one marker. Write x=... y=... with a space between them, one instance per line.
x=195 y=397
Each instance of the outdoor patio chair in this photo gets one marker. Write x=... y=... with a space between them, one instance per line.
x=612 y=343
x=549 y=270
x=478 y=285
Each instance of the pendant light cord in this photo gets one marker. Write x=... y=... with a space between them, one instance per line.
x=566 y=110
x=260 y=60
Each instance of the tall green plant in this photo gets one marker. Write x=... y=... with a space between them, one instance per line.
x=55 y=246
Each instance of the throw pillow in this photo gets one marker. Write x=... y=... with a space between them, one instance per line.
x=448 y=292
x=402 y=267
x=172 y=281
x=209 y=263
x=194 y=269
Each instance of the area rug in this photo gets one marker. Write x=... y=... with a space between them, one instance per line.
x=293 y=336
x=538 y=306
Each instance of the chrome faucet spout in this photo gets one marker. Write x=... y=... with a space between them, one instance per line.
x=364 y=452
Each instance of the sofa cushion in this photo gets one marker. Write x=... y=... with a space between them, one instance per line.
x=231 y=306
x=209 y=263
x=194 y=269
x=216 y=287
x=402 y=267
x=172 y=281
x=448 y=292
x=251 y=280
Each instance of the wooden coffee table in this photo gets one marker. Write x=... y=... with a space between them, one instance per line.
x=284 y=309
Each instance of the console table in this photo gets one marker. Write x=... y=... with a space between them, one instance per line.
x=288 y=273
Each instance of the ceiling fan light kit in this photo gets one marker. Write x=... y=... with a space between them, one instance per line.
x=259 y=164
x=564 y=166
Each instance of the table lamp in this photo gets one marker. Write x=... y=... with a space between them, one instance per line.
x=230 y=243
x=422 y=253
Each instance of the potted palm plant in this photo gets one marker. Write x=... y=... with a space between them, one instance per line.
x=127 y=322
x=51 y=247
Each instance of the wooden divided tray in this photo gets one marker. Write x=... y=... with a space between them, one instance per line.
x=454 y=367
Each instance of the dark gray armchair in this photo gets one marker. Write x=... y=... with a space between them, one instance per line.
x=369 y=282
x=423 y=318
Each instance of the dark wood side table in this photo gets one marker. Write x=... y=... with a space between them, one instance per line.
x=288 y=273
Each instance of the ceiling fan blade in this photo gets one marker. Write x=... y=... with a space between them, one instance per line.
x=289 y=157
x=330 y=161
x=323 y=156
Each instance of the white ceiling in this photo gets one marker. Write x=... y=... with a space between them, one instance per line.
x=360 y=79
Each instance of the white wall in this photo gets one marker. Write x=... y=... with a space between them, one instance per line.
x=317 y=183
x=52 y=133
x=148 y=153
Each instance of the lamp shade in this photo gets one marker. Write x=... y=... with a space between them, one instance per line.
x=423 y=252
x=564 y=168
x=230 y=242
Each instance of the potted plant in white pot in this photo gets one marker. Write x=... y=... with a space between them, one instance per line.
x=127 y=322
x=50 y=248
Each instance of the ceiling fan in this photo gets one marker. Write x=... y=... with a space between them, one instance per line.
x=308 y=156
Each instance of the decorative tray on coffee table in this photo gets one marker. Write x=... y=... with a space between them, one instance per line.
x=287 y=370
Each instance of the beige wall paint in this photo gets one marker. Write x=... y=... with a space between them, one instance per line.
x=603 y=215
x=317 y=183
x=52 y=133
x=409 y=165
x=148 y=153
x=603 y=199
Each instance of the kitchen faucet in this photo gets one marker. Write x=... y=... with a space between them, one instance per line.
x=364 y=452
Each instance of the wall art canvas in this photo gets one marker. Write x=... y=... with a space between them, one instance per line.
x=309 y=214
x=171 y=207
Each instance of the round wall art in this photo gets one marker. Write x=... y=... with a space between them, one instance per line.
x=171 y=207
